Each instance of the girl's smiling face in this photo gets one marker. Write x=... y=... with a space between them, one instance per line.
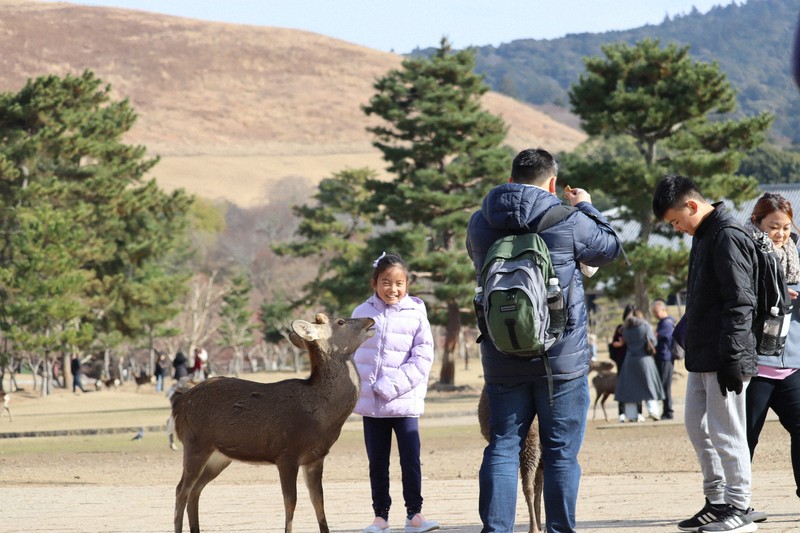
x=778 y=227
x=391 y=285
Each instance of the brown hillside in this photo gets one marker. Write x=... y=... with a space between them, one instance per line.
x=230 y=108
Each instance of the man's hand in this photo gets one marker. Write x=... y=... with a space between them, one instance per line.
x=576 y=196
x=729 y=377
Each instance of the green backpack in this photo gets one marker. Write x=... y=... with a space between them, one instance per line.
x=515 y=275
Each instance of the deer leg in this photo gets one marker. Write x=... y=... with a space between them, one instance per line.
x=528 y=474
x=9 y=414
x=538 y=485
x=287 y=471
x=603 y=405
x=530 y=464
x=216 y=464
x=313 y=476
x=193 y=466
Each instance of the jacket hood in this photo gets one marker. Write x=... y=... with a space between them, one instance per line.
x=514 y=206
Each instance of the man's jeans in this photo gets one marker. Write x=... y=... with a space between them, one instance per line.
x=561 y=428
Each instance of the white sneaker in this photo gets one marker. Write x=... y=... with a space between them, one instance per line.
x=419 y=524
x=379 y=525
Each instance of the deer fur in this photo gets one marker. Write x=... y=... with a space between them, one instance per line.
x=291 y=423
x=530 y=465
x=179 y=387
x=604 y=383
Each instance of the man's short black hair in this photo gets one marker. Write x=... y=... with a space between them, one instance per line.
x=533 y=166
x=671 y=191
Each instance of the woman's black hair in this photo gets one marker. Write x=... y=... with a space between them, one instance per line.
x=629 y=310
x=386 y=262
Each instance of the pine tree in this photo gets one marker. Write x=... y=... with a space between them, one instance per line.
x=651 y=111
x=445 y=153
x=62 y=150
x=236 y=326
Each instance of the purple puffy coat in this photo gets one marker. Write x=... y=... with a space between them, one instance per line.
x=394 y=364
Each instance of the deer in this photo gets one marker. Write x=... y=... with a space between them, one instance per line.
x=604 y=383
x=530 y=465
x=291 y=423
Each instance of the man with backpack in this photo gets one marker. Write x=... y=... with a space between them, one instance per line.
x=720 y=343
x=517 y=385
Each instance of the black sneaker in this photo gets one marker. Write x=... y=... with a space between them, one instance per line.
x=731 y=520
x=756 y=516
x=706 y=515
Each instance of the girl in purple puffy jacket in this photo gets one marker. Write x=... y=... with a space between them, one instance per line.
x=394 y=365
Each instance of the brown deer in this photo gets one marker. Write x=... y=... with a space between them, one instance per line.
x=604 y=383
x=530 y=465
x=290 y=423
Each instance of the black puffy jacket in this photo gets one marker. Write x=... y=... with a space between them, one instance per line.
x=721 y=295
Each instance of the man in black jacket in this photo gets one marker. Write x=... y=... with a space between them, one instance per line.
x=720 y=350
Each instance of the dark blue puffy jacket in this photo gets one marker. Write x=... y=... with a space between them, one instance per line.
x=515 y=208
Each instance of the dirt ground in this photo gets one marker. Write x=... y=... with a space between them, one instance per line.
x=636 y=477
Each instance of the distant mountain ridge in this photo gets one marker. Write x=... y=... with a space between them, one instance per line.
x=230 y=108
x=752 y=43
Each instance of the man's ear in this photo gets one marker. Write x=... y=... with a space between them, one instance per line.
x=510 y=179
x=551 y=185
x=692 y=205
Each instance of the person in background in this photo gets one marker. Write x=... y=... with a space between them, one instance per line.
x=161 y=370
x=663 y=357
x=616 y=351
x=180 y=366
x=720 y=350
x=640 y=381
x=77 y=373
x=394 y=366
x=777 y=385
x=517 y=388
x=199 y=369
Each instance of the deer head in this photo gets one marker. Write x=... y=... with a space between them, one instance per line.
x=326 y=338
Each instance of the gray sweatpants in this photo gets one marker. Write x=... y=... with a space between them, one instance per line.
x=716 y=428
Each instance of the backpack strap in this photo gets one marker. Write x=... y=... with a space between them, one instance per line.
x=553 y=216
x=559 y=212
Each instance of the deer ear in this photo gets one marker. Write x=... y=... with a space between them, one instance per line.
x=305 y=330
x=295 y=339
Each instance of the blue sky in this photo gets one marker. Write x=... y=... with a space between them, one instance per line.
x=402 y=25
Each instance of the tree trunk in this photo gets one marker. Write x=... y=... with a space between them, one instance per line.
x=448 y=372
x=151 y=339
x=642 y=299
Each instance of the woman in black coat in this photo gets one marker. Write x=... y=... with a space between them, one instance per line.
x=179 y=363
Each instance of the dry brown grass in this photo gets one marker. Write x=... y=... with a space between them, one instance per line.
x=229 y=107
